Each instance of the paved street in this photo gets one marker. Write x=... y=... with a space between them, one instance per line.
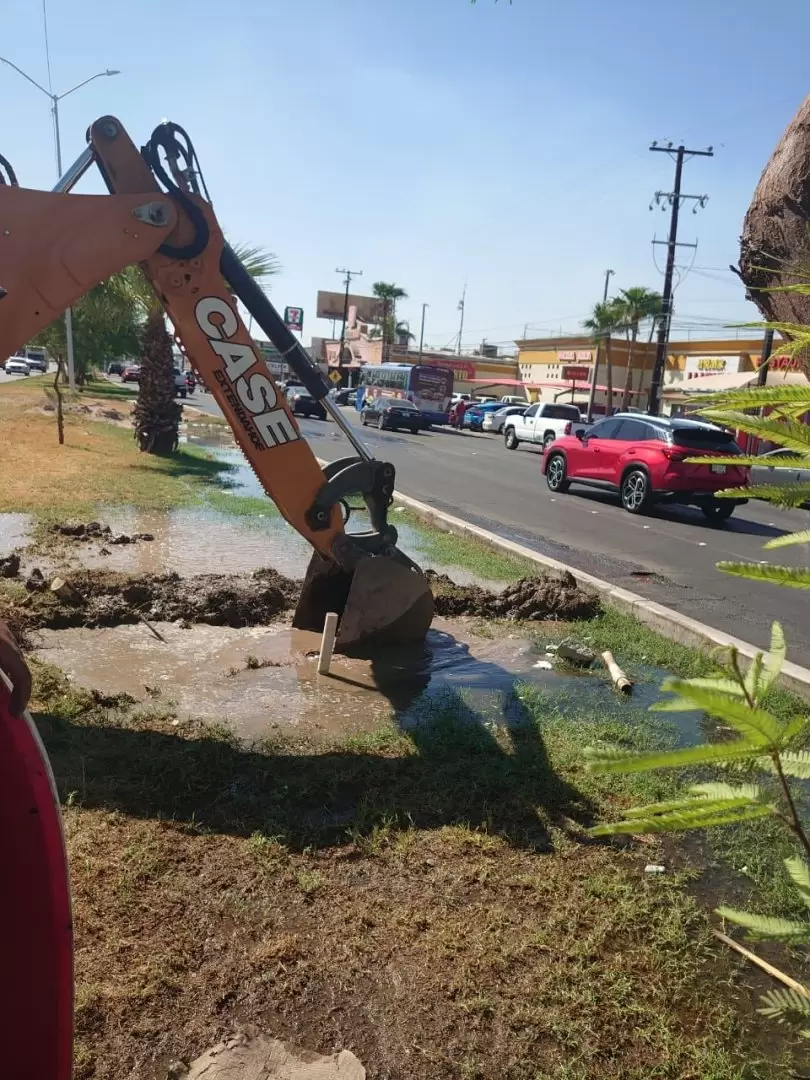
x=668 y=556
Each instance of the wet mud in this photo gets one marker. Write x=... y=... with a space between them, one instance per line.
x=531 y=599
x=109 y=598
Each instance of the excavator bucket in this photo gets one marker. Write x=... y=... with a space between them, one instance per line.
x=386 y=600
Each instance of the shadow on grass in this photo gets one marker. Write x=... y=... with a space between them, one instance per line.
x=101 y=388
x=196 y=466
x=449 y=769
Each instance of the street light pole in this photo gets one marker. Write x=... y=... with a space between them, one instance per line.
x=55 y=99
x=422 y=331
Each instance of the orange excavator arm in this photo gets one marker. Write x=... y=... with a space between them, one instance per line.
x=54 y=246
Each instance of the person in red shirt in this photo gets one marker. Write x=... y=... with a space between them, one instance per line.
x=14 y=665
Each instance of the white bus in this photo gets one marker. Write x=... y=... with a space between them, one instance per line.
x=429 y=388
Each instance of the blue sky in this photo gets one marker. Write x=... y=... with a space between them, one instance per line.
x=429 y=142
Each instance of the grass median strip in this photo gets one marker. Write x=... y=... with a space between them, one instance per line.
x=425 y=898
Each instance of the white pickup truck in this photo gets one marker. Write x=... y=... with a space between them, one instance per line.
x=542 y=423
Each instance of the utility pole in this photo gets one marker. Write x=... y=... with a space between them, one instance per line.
x=461 y=304
x=674 y=198
x=595 y=376
x=422 y=331
x=349 y=275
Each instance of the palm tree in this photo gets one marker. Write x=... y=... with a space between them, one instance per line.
x=389 y=294
x=157 y=414
x=635 y=305
x=605 y=320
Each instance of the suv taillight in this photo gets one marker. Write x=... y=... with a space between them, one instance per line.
x=568 y=428
x=673 y=454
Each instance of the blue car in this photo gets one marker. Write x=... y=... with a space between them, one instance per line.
x=474 y=416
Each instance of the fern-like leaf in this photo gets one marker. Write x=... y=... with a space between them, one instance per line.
x=699 y=814
x=773 y=661
x=721 y=685
x=756 y=725
x=800 y=876
x=609 y=759
x=757 y=397
x=799 y=461
x=785 y=495
x=794 y=763
x=787 y=433
x=786 y=1006
x=752 y=793
x=753 y=676
x=767 y=926
x=792 y=576
x=801 y=537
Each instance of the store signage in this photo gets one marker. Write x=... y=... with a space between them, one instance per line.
x=711 y=365
x=576 y=373
x=785 y=363
x=294 y=319
x=571 y=354
x=462 y=368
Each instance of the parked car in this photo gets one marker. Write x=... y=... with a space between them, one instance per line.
x=541 y=423
x=474 y=416
x=343 y=395
x=775 y=470
x=460 y=397
x=494 y=421
x=115 y=368
x=389 y=414
x=180 y=384
x=644 y=460
x=131 y=373
x=15 y=365
x=36 y=359
x=302 y=403
x=515 y=399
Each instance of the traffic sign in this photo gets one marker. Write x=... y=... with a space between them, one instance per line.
x=335 y=376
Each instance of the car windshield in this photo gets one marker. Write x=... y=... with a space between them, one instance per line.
x=700 y=438
x=301 y=391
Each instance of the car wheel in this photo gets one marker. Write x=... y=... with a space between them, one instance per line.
x=718 y=512
x=511 y=440
x=556 y=474
x=363 y=421
x=548 y=439
x=636 y=491
x=183 y=393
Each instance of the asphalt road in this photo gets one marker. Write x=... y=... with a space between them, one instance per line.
x=668 y=555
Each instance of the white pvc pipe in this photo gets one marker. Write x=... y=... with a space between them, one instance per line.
x=327 y=643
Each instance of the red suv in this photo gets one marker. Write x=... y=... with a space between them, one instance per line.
x=644 y=460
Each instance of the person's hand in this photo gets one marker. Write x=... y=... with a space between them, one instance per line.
x=13 y=664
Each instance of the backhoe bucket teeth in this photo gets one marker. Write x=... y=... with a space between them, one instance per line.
x=383 y=602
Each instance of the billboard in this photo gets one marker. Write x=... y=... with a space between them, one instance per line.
x=330 y=306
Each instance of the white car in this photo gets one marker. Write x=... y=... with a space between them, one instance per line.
x=494 y=421
x=15 y=365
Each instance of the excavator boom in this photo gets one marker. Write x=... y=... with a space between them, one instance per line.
x=62 y=244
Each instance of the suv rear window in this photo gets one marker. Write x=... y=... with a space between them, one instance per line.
x=705 y=439
x=562 y=412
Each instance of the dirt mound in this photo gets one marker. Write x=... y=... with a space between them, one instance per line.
x=109 y=599
x=94 y=530
x=536 y=598
x=10 y=565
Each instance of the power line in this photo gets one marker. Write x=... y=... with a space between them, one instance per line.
x=675 y=200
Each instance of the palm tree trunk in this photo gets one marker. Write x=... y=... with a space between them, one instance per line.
x=608 y=377
x=628 y=379
x=156 y=414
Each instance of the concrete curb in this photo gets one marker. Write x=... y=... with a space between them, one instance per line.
x=667 y=622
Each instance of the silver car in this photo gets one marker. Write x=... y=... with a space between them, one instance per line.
x=494 y=420
x=771 y=472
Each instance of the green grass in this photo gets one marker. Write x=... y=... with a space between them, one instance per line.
x=446 y=549
x=241 y=506
x=439 y=879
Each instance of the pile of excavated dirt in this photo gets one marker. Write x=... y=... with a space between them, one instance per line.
x=533 y=599
x=107 y=598
x=94 y=530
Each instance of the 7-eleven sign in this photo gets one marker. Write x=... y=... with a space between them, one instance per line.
x=294 y=319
